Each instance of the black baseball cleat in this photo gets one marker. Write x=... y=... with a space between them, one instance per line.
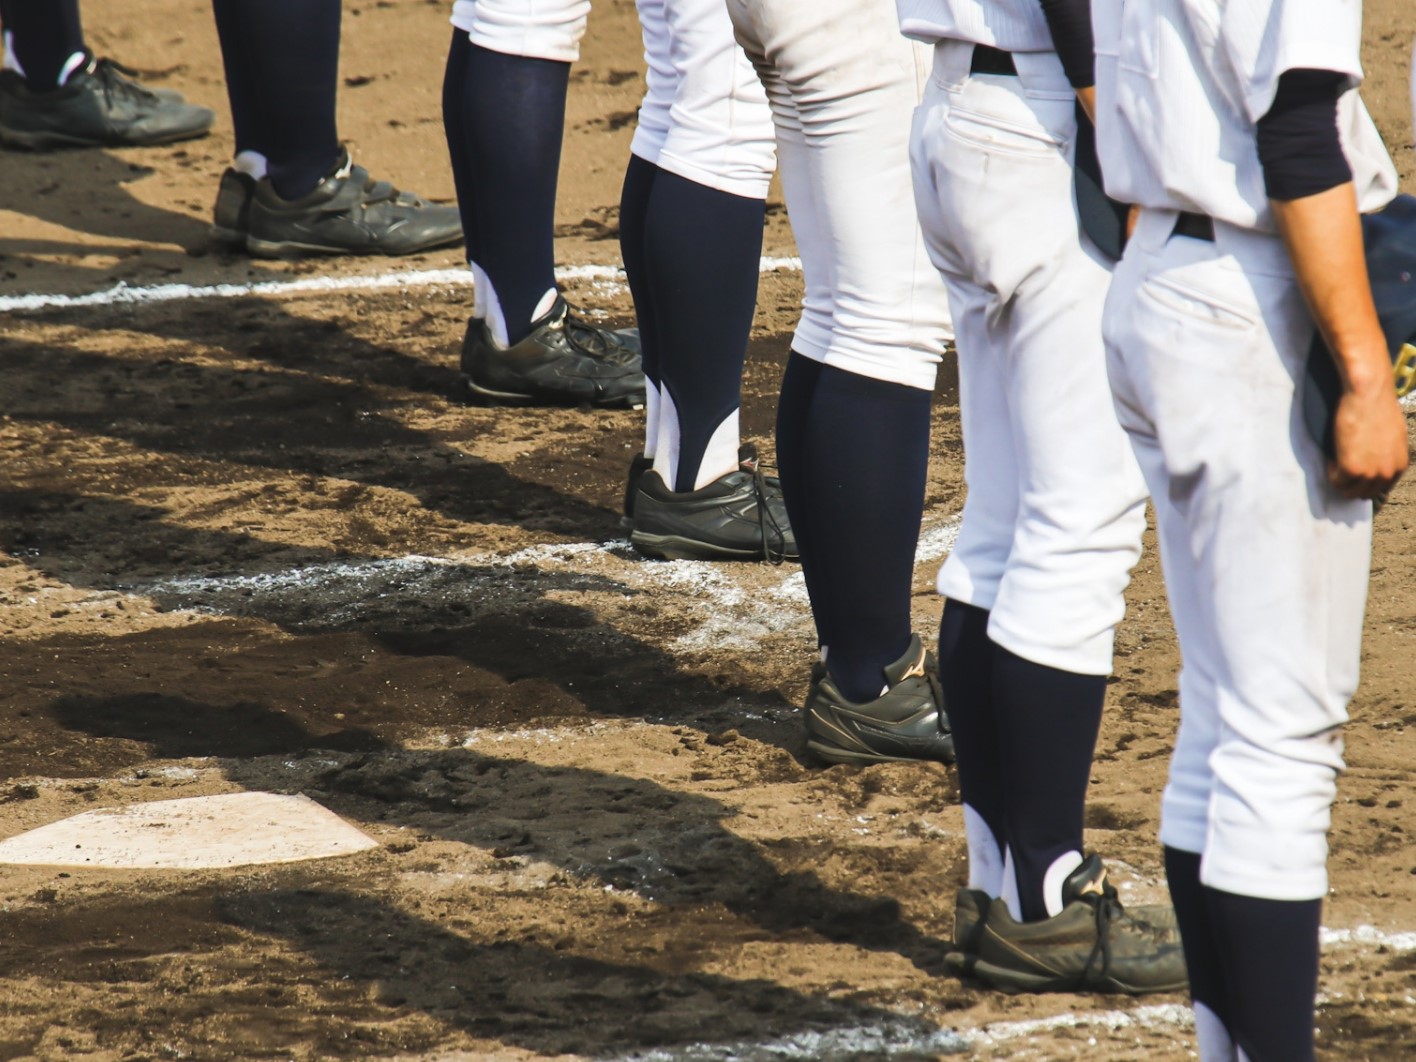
x=906 y=722
x=564 y=361
x=348 y=212
x=970 y=915
x=739 y=516
x=99 y=106
x=1093 y=944
x=638 y=465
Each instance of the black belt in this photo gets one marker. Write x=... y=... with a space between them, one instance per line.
x=1195 y=226
x=989 y=60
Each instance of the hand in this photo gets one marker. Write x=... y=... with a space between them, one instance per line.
x=1370 y=435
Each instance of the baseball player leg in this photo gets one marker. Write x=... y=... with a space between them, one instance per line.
x=794 y=404
x=54 y=92
x=504 y=114
x=852 y=432
x=1188 y=791
x=511 y=114
x=702 y=240
x=706 y=129
x=1055 y=511
x=639 y=178
x=44 y=40
x=701 y=253
x=651 y=130
x=282 y=68
x=292 y=189
x=1283 y=650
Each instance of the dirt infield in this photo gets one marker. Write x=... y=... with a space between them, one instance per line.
x=254 y=543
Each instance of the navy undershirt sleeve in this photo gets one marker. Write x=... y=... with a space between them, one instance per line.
x=1070 y=24
x=1299 y=147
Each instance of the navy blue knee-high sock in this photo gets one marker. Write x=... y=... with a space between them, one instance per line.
x=639 y=178
x=282 y=71
x=702 y=249
x=44 y=34
x=865 y=457
x=511 y=111
x=966 y=676
x=459 y=53
x=794 y=406
x=1202 y=957
x=1269 y=949
x=1048 y=721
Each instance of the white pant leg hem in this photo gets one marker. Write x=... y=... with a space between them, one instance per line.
x=957 y=584
x=754 y=187
x=524 y=48
x=908 y=370
x=807 y=342
x=1186 y=833
x=551 y=31
x=1239 y=877
x=1092 y=657
x=646 y=148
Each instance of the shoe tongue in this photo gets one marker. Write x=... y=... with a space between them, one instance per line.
x=1089 y=879
x=911 y=665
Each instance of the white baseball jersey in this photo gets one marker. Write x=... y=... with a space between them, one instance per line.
x=1181 y=85
x=1012 y=25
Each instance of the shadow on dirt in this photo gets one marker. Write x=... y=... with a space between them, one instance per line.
x=285 y=418
x=351 y=976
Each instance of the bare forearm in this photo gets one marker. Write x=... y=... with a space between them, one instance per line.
x=1323 y=234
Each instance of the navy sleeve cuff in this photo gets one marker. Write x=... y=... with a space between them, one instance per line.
x=1299 y=147
x=1070 y=24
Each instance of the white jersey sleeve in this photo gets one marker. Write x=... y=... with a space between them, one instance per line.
x=1012 y=25
x=1181 y=85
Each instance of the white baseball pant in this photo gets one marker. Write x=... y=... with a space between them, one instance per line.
x=1056 y=504
x=843 y=84
x=704 y=115
x=1265 y=563
x=537 y=29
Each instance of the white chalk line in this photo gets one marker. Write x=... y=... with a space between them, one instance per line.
x=122 y=294
x=902 y=1036
x=731 y=609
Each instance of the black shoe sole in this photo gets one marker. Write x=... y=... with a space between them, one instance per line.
x=835 y=754
x=258 y=248
x=1015 y=982
x=678 y=547
x=832 y=752
x=486 y=396
x=50 y=141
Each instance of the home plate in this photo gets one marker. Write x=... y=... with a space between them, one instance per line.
x=194 y=833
